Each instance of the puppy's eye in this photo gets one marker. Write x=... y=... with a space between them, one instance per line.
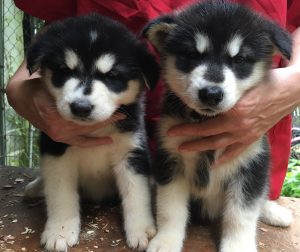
x=62 y=68
x=196 y=55
x=239 y=60
x=191 y=56
x=113 y=74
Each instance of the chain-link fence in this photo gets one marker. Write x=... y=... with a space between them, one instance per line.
x=17 y=137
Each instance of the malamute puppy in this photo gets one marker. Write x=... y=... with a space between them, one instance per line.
x=211 y=54
x=94 y=67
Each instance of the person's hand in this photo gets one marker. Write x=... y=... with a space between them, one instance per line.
x=30 y=100
x=259 y=110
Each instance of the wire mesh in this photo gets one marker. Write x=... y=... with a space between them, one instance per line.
x=18 y=137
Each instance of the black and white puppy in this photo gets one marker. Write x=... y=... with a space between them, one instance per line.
x=94 y=67
x=211 y=54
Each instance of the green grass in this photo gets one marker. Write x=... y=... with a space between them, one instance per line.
x=291 y=186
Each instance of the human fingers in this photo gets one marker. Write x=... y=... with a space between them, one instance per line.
x=43 y=107
x=85 y=142
x=44 y=104
x=208 y=143
x=212 y=126
x=230 y=153
x=51 y=122
x=59 y=127
x=235 y=119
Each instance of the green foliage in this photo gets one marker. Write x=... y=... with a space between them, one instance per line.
x=20 y=137
x=291 y=186
x=21 y=145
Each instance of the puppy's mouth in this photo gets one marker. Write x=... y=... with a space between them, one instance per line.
x=83 y=120
x=208 y=111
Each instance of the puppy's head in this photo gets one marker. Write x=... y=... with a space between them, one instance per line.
x=91 y=65
x=213 y=52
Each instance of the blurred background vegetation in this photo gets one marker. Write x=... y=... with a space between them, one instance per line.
x=18 y=138
x=291 y=186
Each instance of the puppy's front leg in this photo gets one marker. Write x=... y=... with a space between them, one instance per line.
x=60 y=176
x=172 y=215
x=134 y=189
x=239 y=223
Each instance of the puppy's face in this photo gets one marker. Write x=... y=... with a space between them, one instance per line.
x=91 y=91
x=214 y=52
x=91 y=66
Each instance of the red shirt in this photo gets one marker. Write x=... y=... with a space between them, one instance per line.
x=136 y=13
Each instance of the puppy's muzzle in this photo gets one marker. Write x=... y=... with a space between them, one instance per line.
x=211 y=96
x=81 y=108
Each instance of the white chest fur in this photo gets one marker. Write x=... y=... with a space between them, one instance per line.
x=94 y=166
x=217 y=176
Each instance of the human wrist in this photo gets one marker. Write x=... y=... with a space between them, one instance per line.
x=293 y=85
x=20 y=96
x=11 y=92
x=283 y=90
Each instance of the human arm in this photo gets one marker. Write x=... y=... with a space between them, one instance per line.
x=29 y=99
x=260 y=109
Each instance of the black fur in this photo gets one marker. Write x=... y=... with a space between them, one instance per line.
x=74 y=33
x=260 y=34
x=255 y=176
x=140 y=160
x=133 y=120
x=201 y=179
x=47 y=145
x=165 y=167
x=173 y=106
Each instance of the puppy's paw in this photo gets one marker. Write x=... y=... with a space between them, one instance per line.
x=139 y=234
x=237 y=245
x=60 y=236
x=34 y=189
x=274 y=214
x=165 y=242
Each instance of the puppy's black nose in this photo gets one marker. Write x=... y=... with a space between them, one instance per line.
x=81 y=108
x=211 y=96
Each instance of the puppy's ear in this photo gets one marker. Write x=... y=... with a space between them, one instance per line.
x=34 y=56
x=37 y=51
x=157 y=31
x=280 y=38
x=149 y=67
